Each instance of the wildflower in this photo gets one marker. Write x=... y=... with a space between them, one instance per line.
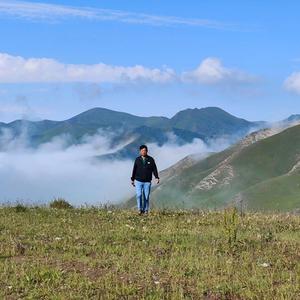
x=265 y=265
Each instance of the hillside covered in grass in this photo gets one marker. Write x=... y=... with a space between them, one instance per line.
x=93 y=253
x=259 y=173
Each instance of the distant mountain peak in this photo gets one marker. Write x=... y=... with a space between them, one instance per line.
x=100 y=110
x=293 y=117
x=203 y=109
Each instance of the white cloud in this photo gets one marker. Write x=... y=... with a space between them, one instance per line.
x=171 y=152
x=292 y=83
x=55 y=169
x=54 y=12
x=212 y=71
x=58 y=169
x=19 y=69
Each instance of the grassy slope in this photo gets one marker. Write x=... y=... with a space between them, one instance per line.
x=264 y=160
x=94 y=253
x=263 y=167
x=281 y=193
x=255 y=166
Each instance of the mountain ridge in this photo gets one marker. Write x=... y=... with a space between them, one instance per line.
x=230 y=176
x=126 y=126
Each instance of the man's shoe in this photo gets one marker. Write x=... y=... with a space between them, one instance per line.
x=146 y=212
x=141 y=212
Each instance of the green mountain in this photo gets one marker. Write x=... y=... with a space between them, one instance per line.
x=84 y=123
x=212 y=121
x=133 y=130
x=261 y=172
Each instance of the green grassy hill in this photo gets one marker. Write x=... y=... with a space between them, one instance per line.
x=262 y=174
x=93 y=253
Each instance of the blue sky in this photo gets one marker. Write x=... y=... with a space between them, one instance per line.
x=59 y=58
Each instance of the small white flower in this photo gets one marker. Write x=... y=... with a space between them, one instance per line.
x=58 y=238
x=265 y=265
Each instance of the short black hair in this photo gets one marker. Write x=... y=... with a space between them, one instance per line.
x=143 y=146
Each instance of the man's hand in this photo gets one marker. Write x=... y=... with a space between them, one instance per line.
x=157 y=180
x=132 y=182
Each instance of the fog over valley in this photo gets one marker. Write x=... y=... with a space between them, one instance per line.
x=57 y=169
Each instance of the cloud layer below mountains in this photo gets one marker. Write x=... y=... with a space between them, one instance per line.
x=55 y=169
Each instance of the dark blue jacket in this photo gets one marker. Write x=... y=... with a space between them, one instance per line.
x=143 y=172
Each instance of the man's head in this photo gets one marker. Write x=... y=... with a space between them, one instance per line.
x=143 y=150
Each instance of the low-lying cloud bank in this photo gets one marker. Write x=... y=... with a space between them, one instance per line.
x=54 y=169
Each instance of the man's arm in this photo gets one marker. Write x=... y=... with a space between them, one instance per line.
x=155 y=170
x=133 y=171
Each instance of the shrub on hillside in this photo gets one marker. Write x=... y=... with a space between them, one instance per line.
x=60 y=203
x=20 y=208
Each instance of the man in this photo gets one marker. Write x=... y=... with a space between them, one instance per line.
x=143 y=167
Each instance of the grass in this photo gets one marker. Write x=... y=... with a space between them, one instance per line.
x=260 y=173
x=109 y=253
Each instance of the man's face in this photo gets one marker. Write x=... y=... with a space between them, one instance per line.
x=143 y=152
